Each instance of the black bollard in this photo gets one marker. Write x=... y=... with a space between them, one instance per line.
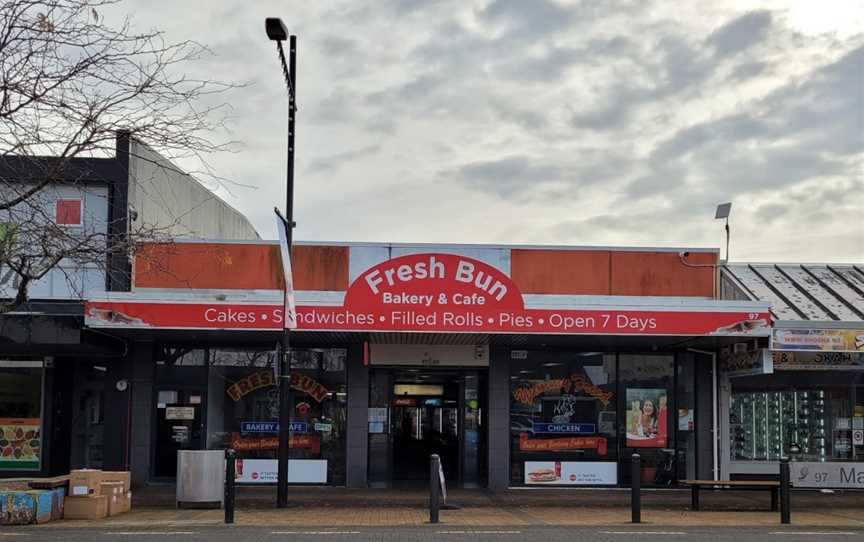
x=434 y=488
x=230 y=455
x=636 y=489
x=785 y=501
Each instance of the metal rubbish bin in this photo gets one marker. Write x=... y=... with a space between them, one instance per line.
x=200 y=478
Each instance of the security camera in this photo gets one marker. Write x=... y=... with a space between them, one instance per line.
x=684 y=254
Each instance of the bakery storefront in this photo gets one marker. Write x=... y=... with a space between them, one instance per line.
x=219 y=397
x=576 y=418
x=519 y=366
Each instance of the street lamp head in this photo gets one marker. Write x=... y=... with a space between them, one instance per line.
x=275 y=28
x=723 y=210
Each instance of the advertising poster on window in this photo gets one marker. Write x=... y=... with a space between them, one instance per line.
x=20 y=443
x=646 y=417
x=818 y=340
x=266 y=471
x=685 y=419
x=571 y=473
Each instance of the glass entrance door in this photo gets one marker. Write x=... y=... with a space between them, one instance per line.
x=414 y=413
x=428 y=427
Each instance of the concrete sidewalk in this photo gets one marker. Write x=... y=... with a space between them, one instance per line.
x=330 y=507
x=469 y=516
x=264 y=498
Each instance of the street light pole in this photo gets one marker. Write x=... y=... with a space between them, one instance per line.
x=277 y=32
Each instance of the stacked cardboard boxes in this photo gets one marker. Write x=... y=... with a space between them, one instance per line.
x=95 y=494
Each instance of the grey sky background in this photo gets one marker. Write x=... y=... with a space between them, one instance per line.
x=544 y=122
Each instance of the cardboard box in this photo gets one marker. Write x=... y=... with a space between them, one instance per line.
x=115 y=504
x=118 y=476
x=111 y=488
x=127 y=502
x=86 y=507
x=115 y=494
x=84 y=482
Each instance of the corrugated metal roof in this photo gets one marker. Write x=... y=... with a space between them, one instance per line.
x=803 y=291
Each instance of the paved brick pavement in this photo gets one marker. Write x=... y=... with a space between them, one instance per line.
x=468 y=516
x=332 y=507
x=251 y=497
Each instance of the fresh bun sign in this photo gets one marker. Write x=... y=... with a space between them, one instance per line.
x=451 y=293
x=442 y=291
x=431 y=292
x=424 y=292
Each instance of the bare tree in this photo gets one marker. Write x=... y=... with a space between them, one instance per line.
x=69 y=82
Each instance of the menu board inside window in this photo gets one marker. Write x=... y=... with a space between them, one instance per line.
x=20 y=414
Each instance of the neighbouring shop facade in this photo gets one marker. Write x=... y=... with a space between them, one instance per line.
x=519 y=366
x=56 y=410
x=52 y=374
x=807 y=390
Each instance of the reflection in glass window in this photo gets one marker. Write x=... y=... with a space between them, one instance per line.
x=243 y=407
x=562 y=408
x=237 y=357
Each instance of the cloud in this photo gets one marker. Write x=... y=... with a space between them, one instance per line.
x=335 y=161
x=748 y=70
x=337 y=45
x=528 y=18
x=553 y=62
x=594 y=122
x=544 y=178
x=507 y=176
x=671 y=67
x=811 y=127
x=741 y=33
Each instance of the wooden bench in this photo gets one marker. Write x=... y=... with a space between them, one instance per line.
x=752 y=485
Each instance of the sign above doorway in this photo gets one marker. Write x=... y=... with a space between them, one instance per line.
x=429 y=355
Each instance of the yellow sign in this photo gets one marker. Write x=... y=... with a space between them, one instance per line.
x=819 y=340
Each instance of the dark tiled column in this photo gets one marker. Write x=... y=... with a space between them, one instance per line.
x=358 y=403
x=499 y=418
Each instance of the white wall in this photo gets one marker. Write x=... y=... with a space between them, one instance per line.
x=68 y=280
x=166 y=197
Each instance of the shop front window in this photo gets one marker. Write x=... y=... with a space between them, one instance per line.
x=243 y=413
x=822 y=421
x=563 y=419
x=646 y=393
x=20 y=414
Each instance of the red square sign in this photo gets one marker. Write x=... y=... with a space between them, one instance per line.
x=68 y=212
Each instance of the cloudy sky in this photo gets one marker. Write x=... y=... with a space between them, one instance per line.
x=548 y=122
